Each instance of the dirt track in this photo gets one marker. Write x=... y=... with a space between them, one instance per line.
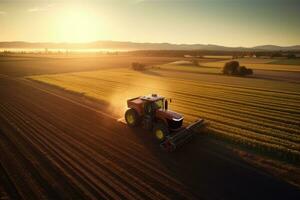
x=54 y=146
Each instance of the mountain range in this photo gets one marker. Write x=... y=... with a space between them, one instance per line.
x=142 y=46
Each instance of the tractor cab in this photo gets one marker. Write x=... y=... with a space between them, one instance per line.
x=153 y=103
x=159 y=105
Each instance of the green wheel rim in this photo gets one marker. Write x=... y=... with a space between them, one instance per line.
x=159 y=134
x=130 y=118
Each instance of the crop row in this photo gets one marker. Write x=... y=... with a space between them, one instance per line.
x=250 y=131
x=122 y=86
x=258 y=117
x=251 y=124
x=257 y=146
x=250 y=110
x=283 y=104
x=268 y=117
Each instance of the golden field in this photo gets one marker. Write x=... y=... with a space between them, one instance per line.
x=259 y=114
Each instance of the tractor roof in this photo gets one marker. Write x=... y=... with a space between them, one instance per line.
x=151 y=97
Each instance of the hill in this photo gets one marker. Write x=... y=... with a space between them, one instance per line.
x=143 y=46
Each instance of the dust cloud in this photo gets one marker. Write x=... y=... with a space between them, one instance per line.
x=137 y=85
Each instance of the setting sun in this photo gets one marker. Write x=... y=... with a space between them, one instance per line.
x=78 y=25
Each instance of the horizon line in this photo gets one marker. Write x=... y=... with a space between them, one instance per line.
x=170 y=43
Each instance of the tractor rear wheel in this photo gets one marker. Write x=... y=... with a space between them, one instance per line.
x=160 y=131
x=132 y=117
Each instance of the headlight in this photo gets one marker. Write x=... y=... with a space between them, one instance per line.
x=177 y=119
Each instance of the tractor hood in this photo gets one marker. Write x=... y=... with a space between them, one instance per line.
x=168 y=114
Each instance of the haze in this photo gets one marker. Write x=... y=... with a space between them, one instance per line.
x=228 y=22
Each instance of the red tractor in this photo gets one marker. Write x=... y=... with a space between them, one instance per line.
x=152 y=113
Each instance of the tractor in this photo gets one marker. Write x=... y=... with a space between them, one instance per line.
x=152 y=113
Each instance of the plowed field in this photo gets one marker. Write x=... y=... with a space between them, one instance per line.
x=58 y=144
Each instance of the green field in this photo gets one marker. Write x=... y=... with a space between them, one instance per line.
x=207 y=66
x=186 y=67
x=287 y=62
x=265 y=64
x=259 y=114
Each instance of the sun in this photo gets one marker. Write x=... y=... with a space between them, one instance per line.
x=78 y=25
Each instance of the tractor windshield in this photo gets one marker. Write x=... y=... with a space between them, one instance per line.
x=159 y=104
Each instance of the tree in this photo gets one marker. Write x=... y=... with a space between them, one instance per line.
x=242 y=71
x=234 y=68
x=291 y=56
x=138 y=66
x=276 y=54
x=231 y=68
x=249 y=71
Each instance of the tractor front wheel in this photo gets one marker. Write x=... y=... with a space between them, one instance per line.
x=160 y=131
x=132 y=117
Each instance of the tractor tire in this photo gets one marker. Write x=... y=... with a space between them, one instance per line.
x=132 y=117
x=160 y=131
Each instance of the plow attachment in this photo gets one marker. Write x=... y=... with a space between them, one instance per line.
x=173 y=142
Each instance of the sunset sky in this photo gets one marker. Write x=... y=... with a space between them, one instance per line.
x=223 y=22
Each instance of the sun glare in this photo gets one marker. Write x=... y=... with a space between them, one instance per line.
x=78 y=25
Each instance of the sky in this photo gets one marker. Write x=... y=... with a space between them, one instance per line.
x=231 y=23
